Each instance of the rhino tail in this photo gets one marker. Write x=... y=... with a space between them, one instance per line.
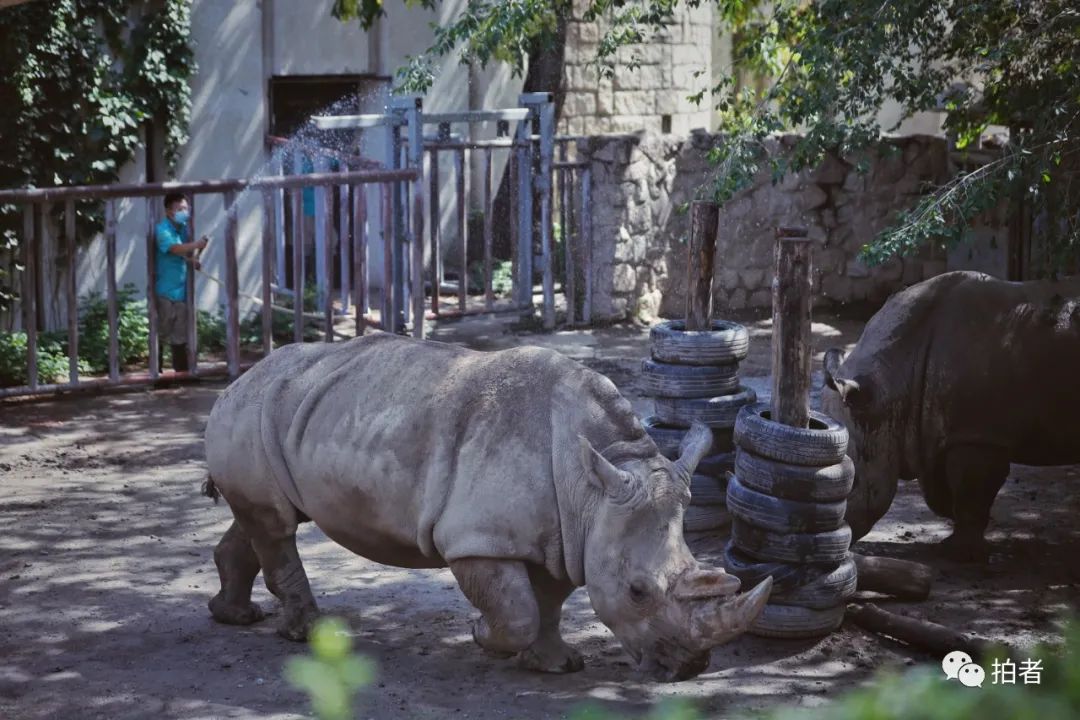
x=209 y=489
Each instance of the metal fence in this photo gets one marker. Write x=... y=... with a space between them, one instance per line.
x=541 y=189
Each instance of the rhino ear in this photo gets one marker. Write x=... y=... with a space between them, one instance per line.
x=617 y=484
x=695 y=445
x=847 y=388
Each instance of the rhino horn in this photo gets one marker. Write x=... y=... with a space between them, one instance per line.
x=721 y=619
x=695 y=445
x=847 y=388
x=705 y=583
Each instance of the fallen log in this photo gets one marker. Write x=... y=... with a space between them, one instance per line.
x=923 y=634
x=902 y=579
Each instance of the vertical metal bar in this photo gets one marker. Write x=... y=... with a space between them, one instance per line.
x=110 y=290
x=232 y=288
x=359 y=254
x=515 y=279
x=463 y=228
x=525 y=172
x=570 y=242
x=416 y=235
x=389 y=318
x=189 y=306
x=489 y=235
x=151 y=298
x=547 y=152
x=327 y=197
x=279 y=222
x=323 y=224
x=587 y=241
x=297 y=198
x=29 y=291
x=268 y=237
x=436 y=217
x=72 y=290
x=343 y=245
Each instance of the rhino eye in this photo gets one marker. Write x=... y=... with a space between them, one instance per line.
x=638 y=592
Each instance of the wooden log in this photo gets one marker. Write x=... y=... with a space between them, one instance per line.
x=923 y=634
x=900 y=578
x=267 y=269
x=704 y=222
x=232 y=288
x=791 y=346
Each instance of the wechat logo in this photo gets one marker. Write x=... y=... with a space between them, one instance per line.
x=958 y=665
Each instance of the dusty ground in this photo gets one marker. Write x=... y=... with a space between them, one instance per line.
x=106 y=566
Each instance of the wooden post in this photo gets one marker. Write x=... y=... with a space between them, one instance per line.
x=704 y=222
x=30 y=246
x=791 y=328
x=436 y=216
x=489 y=234
x=297 y=199
x=232 y=288
x=461 y=164
x=327 y=259
x=151 y=298
x=190 y=306
x=72 y=290
x=268 y=238
x=110 y=291
x=359 y=254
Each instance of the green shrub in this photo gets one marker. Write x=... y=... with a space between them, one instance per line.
x=210 y=331
x=502 y=281
x=52 y=359
x=132 y=324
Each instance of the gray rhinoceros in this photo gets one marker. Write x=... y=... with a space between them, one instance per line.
x=953 y=379
x=523 y=471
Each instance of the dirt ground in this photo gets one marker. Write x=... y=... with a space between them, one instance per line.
x=106 y=566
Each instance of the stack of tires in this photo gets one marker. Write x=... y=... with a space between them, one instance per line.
x=787 y=498
x=694 y=375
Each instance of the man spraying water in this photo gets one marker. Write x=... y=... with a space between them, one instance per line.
x=174 y=253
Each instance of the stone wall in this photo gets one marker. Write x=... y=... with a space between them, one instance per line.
x=652 y=97
x=641 y=182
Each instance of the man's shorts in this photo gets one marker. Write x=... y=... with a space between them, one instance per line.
x=171 y=321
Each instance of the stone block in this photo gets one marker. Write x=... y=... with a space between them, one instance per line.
x=579 y=104
x=728 y=279
x=837 y=287
x=828 y=218
x=589 y=32
x=643 y=77
x=856 y=269
x=912 y=272
x=737 y=299
x=760 y=299
x=831 y=171
x=812 y=197
x=635 y=102
x=932 y=268
x=752 y=278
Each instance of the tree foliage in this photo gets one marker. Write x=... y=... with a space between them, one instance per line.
x=829 y=66
x=78 y=78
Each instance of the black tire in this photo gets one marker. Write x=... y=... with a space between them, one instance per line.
x=782 y=516
x=828 y=589
x=725 y=343
x=791 y=622
x=705 y=517
x=717 y=412
x=823 y=443
x=717 y=465
x=751 y=572
x=668 y=438
x=825 y=548
x=804 y=483
x=687 y=381
x=708 y=490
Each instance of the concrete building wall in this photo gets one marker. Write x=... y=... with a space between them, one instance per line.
x=640 y=99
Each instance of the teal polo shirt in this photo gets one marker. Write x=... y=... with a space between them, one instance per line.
x=171 y=269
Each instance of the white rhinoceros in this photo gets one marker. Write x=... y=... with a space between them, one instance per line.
x=525 y=472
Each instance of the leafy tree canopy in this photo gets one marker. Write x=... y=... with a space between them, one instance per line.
x=829 y=66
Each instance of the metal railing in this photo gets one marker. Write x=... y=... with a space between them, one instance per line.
x=36 y=202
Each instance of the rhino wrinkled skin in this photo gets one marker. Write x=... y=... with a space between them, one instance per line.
x=953 y=379
x=523 y=471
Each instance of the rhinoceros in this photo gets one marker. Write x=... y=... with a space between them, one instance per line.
x=523 y=471
x=952 y=380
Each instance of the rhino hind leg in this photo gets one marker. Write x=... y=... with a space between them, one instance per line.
x=549 y=652
x=500 y=589
x=237 y=566
x=286 y=579
x=975 y=474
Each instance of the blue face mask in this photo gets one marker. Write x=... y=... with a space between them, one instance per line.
x=181 y=217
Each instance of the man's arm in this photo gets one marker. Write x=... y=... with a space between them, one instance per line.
x=188 y=247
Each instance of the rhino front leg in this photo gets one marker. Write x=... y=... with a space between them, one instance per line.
x=550 y=653
x=286 y=579
x=975 y=474
x=237 y=566
x=501 y=591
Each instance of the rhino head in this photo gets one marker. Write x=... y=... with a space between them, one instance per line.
x=855 y=395
x=666 y=609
